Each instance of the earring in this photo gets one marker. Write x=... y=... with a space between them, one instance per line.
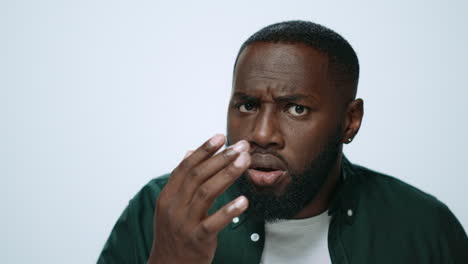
x=350 y=139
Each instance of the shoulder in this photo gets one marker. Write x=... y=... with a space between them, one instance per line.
x=142 y=204
x=133 y=231
x=156 y=184
x=409 y=217
x=151 y=189
x=392 y=192
x=398 y=203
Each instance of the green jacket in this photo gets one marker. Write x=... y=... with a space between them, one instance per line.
x=375 y=219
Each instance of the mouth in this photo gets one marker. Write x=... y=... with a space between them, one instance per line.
x=265 y=170
x=264 y=176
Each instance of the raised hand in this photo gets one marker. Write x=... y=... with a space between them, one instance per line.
x=183 y=230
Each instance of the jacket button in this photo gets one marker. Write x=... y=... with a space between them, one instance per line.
x=254 y=237
x=235 y=220
x=350 y=212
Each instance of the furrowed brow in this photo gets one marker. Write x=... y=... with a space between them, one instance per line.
x=295 y=98
x=246 y=97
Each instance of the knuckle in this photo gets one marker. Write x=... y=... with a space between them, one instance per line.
x=226 y=155
x=184 y=165
x=194 y=173
x=207 y=147
x=203 y=193
x=205 y=229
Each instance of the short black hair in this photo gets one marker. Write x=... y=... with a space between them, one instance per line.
x=343 y=61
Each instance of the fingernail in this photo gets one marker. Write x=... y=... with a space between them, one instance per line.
x=217 y=140
x=241 y=146
x=241 y=160
x=240 y=203
x=188 y=154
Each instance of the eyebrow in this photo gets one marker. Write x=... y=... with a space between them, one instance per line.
x=246 y=97
x=284 y=98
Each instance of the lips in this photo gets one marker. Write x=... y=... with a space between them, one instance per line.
x=265 y=169
x=266 y=162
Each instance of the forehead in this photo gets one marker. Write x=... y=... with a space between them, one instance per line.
x=282 y=68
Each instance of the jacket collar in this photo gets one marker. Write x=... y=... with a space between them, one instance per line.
x=345 y=201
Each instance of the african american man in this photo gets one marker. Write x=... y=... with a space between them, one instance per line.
x=283 y=191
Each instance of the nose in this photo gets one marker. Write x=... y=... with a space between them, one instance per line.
x=266 y=131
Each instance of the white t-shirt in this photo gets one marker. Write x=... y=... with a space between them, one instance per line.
x=297 y=241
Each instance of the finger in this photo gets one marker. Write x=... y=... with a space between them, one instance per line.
x=198 y=175
x=210 y=227
x=188 y=154
x=206 y=194
x=207 y=149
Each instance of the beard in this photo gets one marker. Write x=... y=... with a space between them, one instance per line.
x=304 y=185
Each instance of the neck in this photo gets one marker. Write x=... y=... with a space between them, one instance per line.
x=321 y=201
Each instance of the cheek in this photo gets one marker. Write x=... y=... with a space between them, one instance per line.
x=237 y=128
x=299 y=149
x=304 y=142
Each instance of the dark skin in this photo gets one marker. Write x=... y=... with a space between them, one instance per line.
x=295 y=105
x=283 y=100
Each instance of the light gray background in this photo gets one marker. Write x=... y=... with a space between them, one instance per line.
x=98 y=97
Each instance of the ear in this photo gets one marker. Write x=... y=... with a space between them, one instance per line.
x=353 y=119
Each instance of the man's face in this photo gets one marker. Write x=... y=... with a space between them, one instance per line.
x=285 y=105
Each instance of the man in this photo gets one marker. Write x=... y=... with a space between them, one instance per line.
x=284 y=192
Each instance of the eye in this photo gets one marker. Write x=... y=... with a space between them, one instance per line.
x=247 y=107
x=297 y=110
